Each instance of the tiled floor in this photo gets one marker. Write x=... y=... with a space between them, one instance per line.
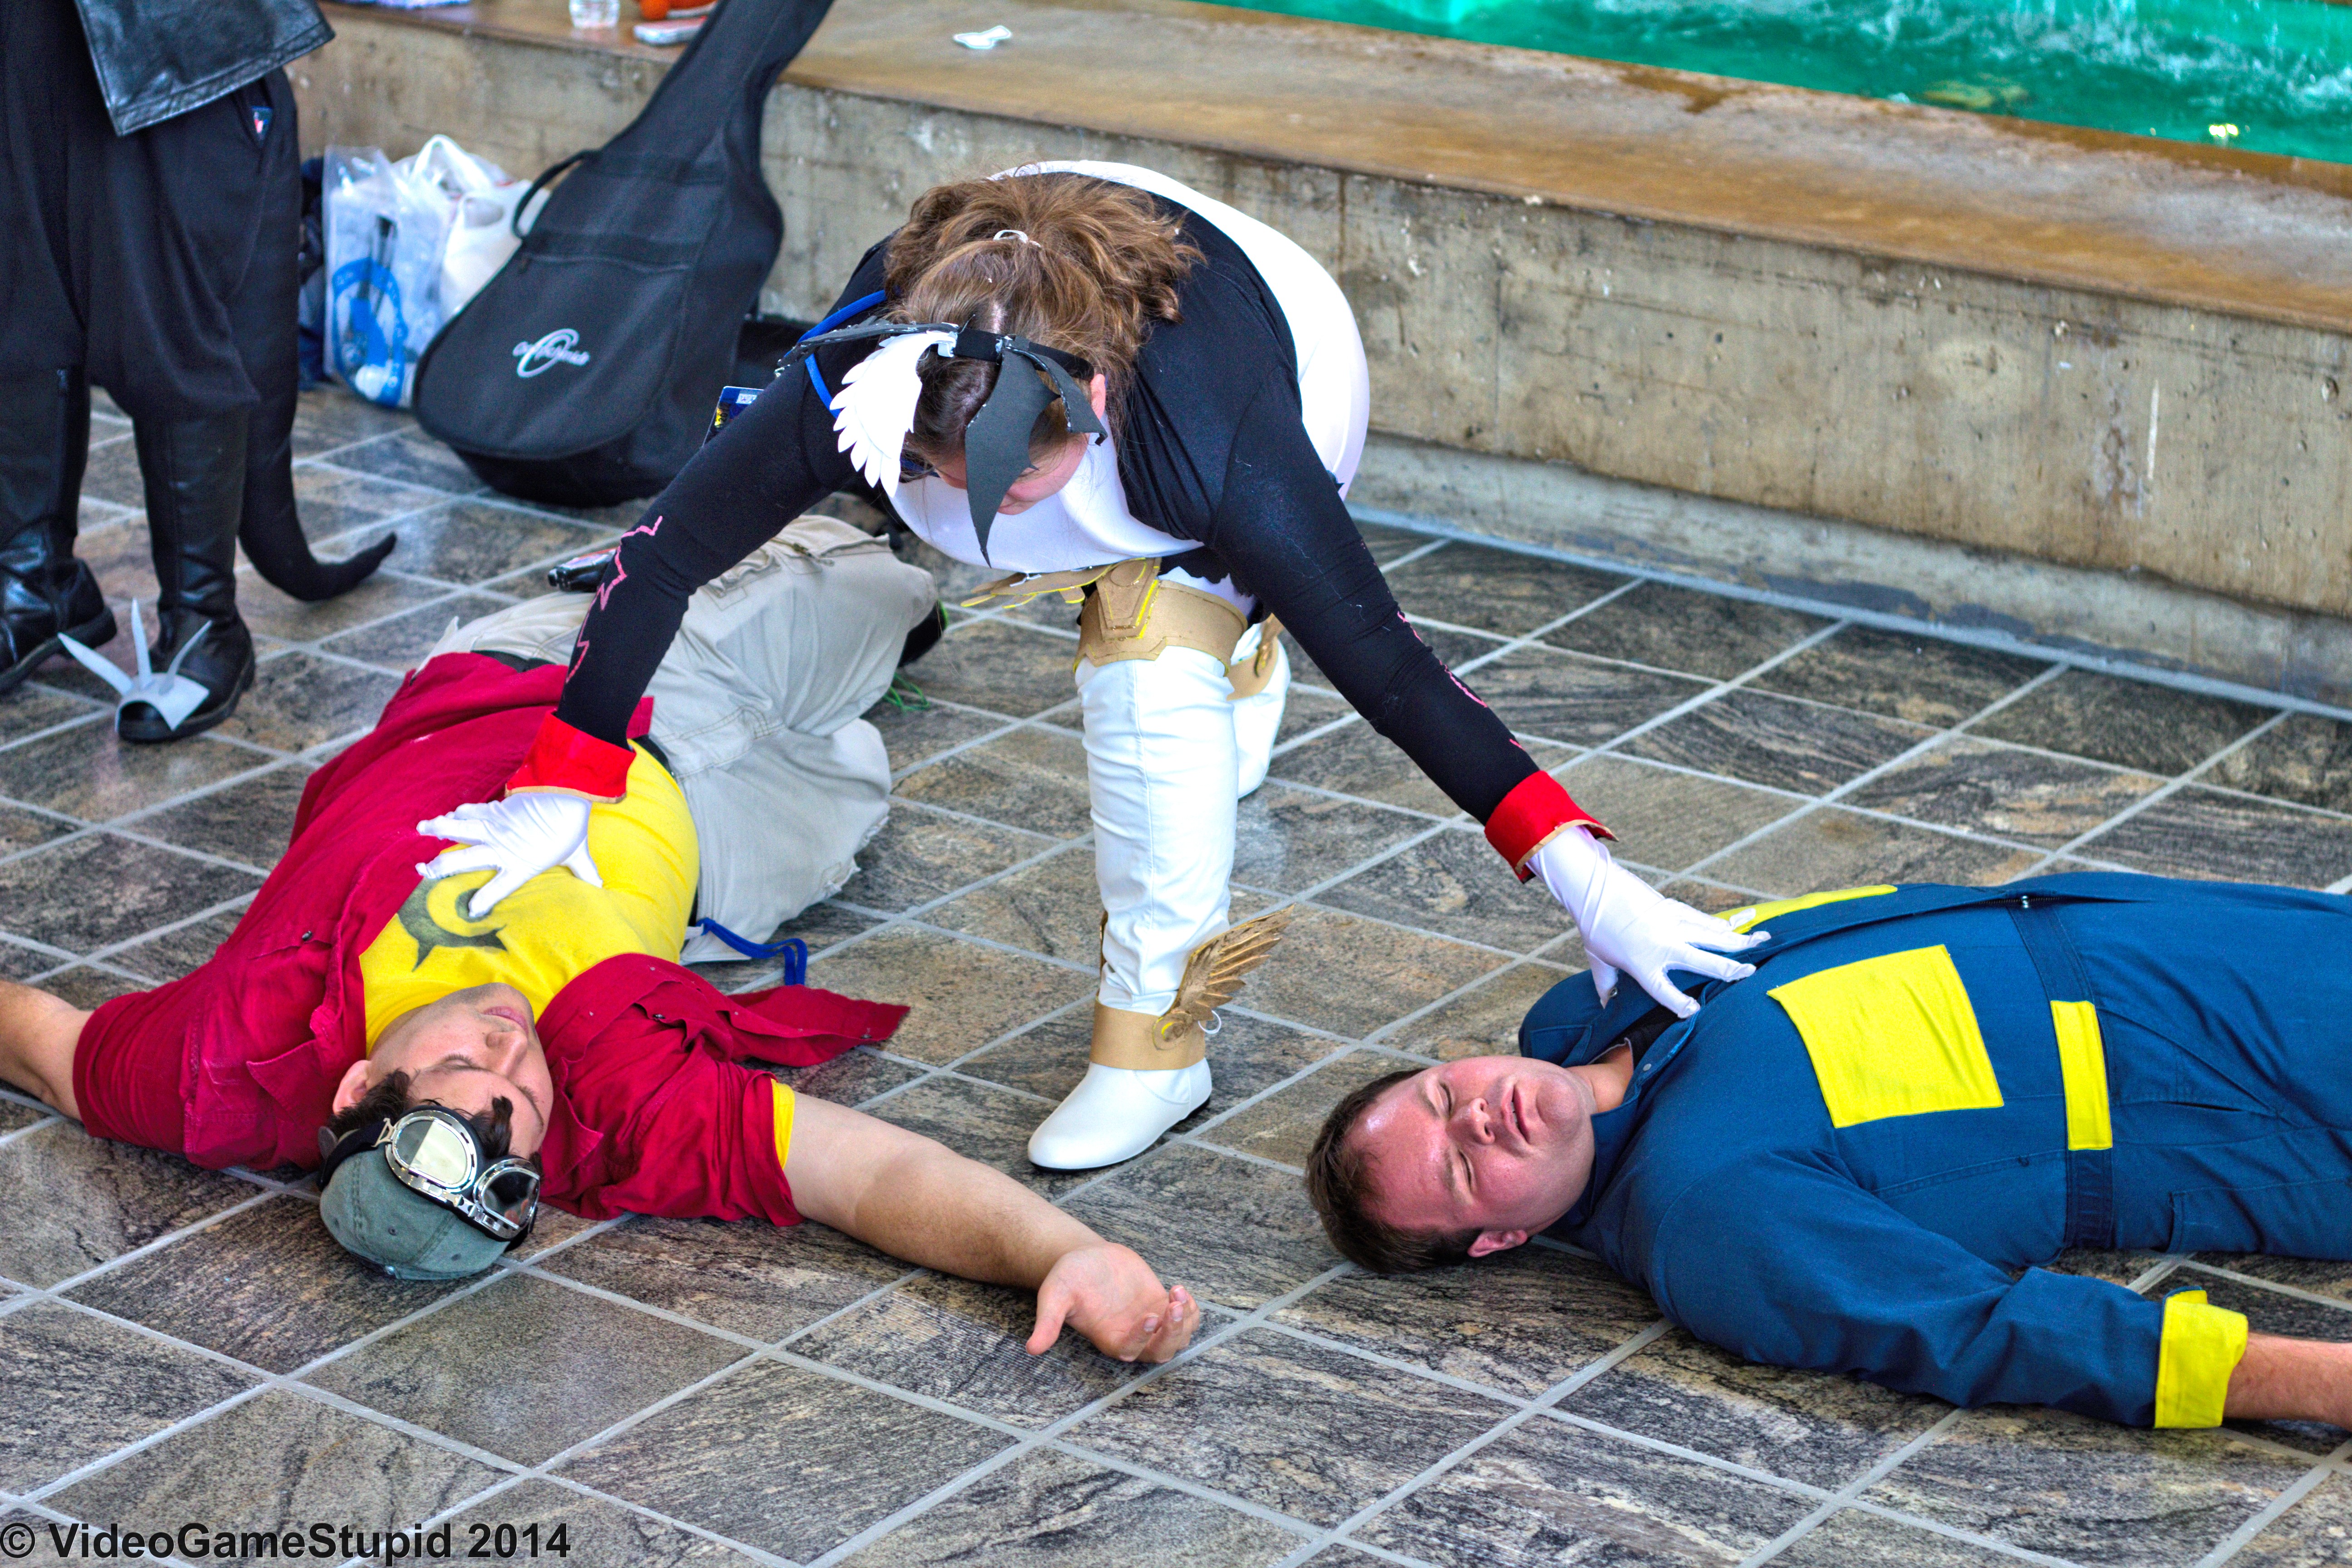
x=181 y=1346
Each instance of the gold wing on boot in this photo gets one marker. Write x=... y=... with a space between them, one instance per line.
x=1215 y=973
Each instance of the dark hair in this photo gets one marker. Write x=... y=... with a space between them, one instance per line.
x=1338 y=1186
x=1101 y=264
x=389 y=1100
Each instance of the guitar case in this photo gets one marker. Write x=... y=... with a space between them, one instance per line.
x=583 y=373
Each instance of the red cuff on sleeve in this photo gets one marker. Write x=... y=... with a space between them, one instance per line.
x=1535 y=810
x=575 y=762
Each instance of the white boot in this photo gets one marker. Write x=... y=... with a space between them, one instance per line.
x=1115 y=1114
x=1258 y=719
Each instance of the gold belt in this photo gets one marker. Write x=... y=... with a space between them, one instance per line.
x=1130 y=614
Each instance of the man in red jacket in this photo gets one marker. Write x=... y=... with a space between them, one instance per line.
x=449 y=1072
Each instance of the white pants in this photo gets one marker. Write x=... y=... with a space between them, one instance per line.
x=756 y=705
x=1166 y=767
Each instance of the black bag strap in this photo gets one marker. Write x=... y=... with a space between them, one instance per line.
x=546 y=177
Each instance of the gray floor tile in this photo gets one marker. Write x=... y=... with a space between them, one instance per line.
x=86 y=987
x=2320 y=1276
x=1048 y=1510
x=279 y=1462
x=113 y=471
x=999 y=666
x=1032 y=779
x=1282 y=1126
x=2305 y=758
x=18 y=1112
x=1356 y=760
x=597 y=1533
x=123 y=561
x=1052 y=909
x=1494 y=591
x=1809 y=1427
x=1235 y=1233
x=74 y=1201
x=1832 y=848
x=1900 y=676
x=2316 y=1533
x=1305 y=710
x=2129 y=723
x=850 y=1079
x=1391 y=973
x=92 y=891
x=1454 y=883
x=1851 y=1536
x=269 y=1286
x=330 y=416
x=411 y=457
x=980 y=1122
x=1553 y=1492
x=1663 y=817
x=1518 y=1321
x=1982 y=787
x=21 y=829
x=274 y=614
x=963 y=1344
x=785 y=1460
x=248 y=821
x=919 y=854
x=1697 y=634
x=333 y=502
x=472 y=542
x=37 y=705
x=1577 y=701
x=179 y=952
x=299 y=700
x=526 y=1368
x=2079 y=1488
x=914 y=734
x=763 y=1282
x=1289 y=840
x=1246 y=1056
x=1779 y=742
x=1310 y=1431
x=962 y=995
x=1483 y=1021
x=79 y=1387
x=2206 y=834
x=87 y=772
x=401 y=640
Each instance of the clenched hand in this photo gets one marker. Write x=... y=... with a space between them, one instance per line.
x=1110 y=1295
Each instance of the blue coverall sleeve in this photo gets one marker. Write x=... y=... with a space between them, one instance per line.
x=1787 y=1260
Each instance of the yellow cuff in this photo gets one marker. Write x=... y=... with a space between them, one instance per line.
x=2201 y=1347
x=784 y=1119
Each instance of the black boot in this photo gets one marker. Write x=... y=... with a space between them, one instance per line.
x=44 y=446
x=195 y=475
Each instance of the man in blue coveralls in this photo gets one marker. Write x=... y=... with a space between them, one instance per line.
x=1852 y=1160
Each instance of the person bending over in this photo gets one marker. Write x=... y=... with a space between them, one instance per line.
x=1853 y=1160
x=1115 y=387
x=449 y=1073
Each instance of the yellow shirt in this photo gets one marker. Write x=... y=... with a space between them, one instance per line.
x=555 y=928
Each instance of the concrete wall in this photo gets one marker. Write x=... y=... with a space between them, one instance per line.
x=2052 y=425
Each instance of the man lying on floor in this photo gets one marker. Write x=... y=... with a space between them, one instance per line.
x=1852 y=1161
x=453 y=1072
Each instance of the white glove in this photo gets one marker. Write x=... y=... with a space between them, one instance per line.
x=1630 y=926
x=518 y=837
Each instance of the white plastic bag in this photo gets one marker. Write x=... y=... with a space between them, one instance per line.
x=393 y=233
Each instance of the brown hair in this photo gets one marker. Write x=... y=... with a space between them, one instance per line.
x=1338 y=1186
x=1101 y=266
x=389 y=1100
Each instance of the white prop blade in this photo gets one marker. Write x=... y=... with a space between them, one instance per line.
x=171 y=693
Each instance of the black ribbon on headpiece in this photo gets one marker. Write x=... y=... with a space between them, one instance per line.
x=996 y=442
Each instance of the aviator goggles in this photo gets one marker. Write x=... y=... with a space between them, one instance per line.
x=432 y=1151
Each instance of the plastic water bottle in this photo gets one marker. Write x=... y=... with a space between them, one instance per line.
x=595 y=13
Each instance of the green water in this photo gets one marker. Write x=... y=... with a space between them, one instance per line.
x=2272 y=75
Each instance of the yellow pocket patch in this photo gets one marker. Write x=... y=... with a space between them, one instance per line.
x=1892 y=1037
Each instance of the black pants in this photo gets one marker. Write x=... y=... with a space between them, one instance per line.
x=161 y=264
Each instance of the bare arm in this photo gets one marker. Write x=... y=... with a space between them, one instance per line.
x=38 y=1035
x=915 y=1199
x=2281 y=1379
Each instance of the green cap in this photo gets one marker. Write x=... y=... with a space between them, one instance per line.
x=398 y=1228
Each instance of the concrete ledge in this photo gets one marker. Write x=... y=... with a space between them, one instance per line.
x=2120 y=358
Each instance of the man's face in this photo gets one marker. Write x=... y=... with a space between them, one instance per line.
x=464 y=1051
x=1498 y=1144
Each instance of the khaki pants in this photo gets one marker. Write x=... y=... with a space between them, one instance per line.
x=756 y=705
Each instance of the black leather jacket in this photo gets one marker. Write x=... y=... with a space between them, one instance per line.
x=156 y=59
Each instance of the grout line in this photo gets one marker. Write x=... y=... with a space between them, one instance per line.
x=2301 y=1487
x=2165 y=792
x=1953 y=1532
x=1852 y=1490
